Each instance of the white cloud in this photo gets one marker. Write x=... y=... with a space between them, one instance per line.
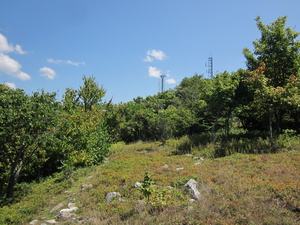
x=170 y=81
x=8 y=65
x=155 y=54
x=12 y=67
x=48 y=72
x=19 y=49
x=4 y=46
x=10 y=85
x=59 y=61
x=148 y=59
x=154 y=72
x=23 y=76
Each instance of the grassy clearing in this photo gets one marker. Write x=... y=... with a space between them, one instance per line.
x=237 y=189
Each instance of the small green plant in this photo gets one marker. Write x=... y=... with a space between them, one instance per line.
x=146 y=187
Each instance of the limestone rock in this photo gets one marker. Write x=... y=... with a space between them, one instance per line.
x=137 y=184
x=113 y=195
x=60 y=205
x=67 y=213
x=50 y=222
x=181 y=168
x=192 y=187
x=33 y=222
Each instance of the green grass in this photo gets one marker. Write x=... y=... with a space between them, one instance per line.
x=236 y=189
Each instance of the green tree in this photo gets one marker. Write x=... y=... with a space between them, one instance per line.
x=278 y=49
x=90 y=93
x=25 y=124
x=222 y=101
x=84 y=140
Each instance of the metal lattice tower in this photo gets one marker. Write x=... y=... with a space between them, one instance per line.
x=210 y=67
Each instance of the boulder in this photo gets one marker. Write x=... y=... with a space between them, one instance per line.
x=192 y=187
x=113 y=195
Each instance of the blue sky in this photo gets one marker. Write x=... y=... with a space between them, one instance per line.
x=127 y=44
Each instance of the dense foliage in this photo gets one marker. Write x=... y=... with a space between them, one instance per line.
x=40 y=135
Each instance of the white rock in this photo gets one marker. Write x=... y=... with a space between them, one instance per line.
x=50 y=221
x=137 y=184
x=192 y=187
x=181 y=168
x=112 y=195
x=33 y=222
x=66 y=213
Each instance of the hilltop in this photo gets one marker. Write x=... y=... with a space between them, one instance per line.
x=237 y=189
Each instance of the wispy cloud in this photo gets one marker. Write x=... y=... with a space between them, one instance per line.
x=19 y=49
x=154 y=72
x=10 y=85
x=48 y=72
x=155 y=54
x=59 y=61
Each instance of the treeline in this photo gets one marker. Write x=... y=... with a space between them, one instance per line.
x=264 y=98
x=40 y=135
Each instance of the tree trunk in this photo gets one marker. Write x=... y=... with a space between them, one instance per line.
x=14 y=174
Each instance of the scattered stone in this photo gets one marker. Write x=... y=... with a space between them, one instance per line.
x=60 y=205
x=189 y=155
x=50 y=221
x=165 y=166
x=192 y=200
x=198 y=163
x=137 y=184
x=113 y=195
x=67 y=213
x=181 y=168
x=192 y=187
x=86 y=186
x=190 y=208
x=70 y=205
x=33 y=222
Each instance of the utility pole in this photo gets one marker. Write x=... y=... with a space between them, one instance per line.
x=162 y=82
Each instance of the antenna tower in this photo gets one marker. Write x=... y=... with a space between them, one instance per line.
x=210 y=67
x=162 y=82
